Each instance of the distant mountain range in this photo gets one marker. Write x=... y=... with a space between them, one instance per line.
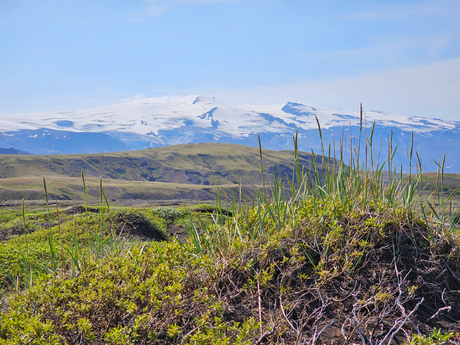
x=12 y=151
x=156 y=122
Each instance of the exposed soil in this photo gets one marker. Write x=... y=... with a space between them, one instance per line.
x=134 y=225
x=178 y=231
x=212 y=210
x=6 y=234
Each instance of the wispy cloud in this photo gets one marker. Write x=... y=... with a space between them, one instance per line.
x=137 y=97
x=154 y=8
x=449 y=8
x=429 y=91
x=384 y=53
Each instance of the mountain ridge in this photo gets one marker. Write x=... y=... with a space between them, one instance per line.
x=163 y=121
x=12 y=151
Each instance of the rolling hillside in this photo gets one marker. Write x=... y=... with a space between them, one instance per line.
x=164 y=121
x=176 y=172
x=190 y=164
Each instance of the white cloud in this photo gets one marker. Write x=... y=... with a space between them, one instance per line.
x=388 y=52
x=154 y=8
x=429 y=91
x=137 y=97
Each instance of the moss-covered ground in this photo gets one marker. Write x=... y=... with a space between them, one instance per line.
x=330 y=275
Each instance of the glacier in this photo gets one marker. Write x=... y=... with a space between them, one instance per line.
x=169 y=120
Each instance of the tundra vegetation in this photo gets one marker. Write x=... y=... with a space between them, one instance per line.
x=347 y=252
x=179 y=172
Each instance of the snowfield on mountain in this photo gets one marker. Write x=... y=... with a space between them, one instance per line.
x=161 y=121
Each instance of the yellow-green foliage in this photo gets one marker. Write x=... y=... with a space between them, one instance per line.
x=174 y=292
x=436 y=337
x=32 y=252
x=150 y=294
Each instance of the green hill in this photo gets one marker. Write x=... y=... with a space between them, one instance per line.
x=190 y=164
x=174 y=172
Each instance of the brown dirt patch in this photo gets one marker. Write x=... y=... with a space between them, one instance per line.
x=131 y=224
x=178 y=231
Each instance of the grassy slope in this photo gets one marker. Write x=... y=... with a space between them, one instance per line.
x=180 y=172
x=192 y=164
x=450 y=183
x=70 y=188
x=174 y=172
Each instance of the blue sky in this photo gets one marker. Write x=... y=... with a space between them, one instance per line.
x=398 y=56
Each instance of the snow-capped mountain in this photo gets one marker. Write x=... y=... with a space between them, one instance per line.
x=153 y=122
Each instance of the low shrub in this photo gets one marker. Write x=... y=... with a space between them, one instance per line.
x=168 y=213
